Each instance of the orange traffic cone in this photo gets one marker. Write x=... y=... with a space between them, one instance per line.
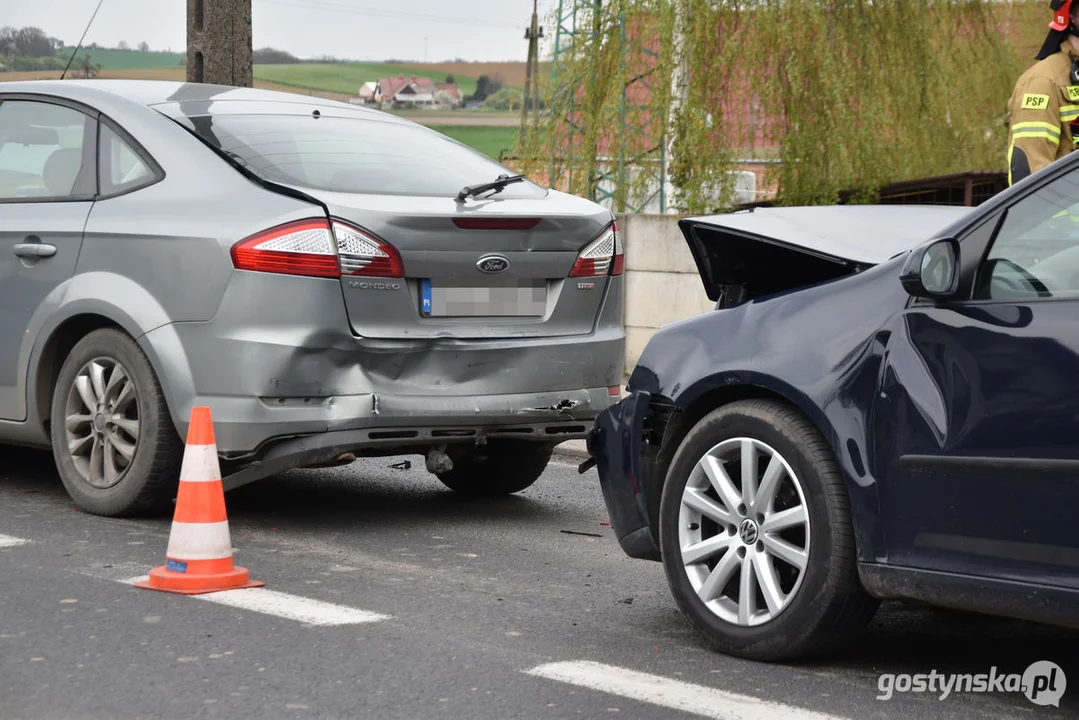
x=199 y=556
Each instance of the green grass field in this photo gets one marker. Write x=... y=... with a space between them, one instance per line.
x=128 y=59
x=346 y=77
x=488 y=139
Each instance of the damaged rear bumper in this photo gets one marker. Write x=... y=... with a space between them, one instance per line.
x=615 y=443
x=264 y=382
x=388 y=424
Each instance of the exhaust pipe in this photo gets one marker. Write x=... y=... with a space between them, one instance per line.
x=438 y=461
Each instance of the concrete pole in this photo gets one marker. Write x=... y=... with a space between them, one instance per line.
x=219 y=42
x=530 y=69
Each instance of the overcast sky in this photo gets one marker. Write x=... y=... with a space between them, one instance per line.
x=357 y=29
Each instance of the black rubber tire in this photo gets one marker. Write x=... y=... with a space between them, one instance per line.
x=501 y=468
x=150 y=483
x=830 y=606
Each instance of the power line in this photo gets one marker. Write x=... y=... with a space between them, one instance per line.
x=390 y=14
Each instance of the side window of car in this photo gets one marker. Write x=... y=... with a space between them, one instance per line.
x=1036 y=251
x=42 y=151
x=120 y=167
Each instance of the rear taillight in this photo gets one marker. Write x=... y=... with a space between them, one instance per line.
x=362 y=254
x=316 y=249
x=304 y=247
x=603 y=256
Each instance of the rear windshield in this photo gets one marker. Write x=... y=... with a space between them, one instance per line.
x=353 y=155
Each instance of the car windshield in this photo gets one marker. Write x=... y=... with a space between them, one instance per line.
x=353 y=155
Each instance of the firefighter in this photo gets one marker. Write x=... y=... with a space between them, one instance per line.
x=1044 y=107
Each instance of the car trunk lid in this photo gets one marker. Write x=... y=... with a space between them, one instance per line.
x=499 y=268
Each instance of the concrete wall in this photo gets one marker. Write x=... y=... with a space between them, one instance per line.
x=662 y=283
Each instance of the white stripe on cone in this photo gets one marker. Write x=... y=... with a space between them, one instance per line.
x=200 y=464
x=200 y=541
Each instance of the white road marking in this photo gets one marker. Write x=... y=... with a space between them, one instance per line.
x=270 y=602
x=292 y=607
x=674 y=694
x=7 y=541
x=284 y=605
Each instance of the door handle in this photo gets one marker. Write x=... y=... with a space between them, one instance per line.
x=34 y=250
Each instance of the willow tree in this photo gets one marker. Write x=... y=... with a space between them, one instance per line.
x=834 y=94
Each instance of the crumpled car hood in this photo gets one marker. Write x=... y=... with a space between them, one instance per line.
x=750 y=253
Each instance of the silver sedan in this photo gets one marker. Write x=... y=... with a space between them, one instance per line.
x=330 y=280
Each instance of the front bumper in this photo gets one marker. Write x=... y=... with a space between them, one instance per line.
x=615 y=442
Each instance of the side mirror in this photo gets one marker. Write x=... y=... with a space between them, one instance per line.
x=932 y=270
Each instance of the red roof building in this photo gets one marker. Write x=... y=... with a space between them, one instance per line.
x=403 y=90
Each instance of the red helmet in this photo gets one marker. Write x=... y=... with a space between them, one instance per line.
x=1061 y=14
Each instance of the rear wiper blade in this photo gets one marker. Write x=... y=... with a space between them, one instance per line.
x=496 y=185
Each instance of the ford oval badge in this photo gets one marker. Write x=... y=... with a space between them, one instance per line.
x=492 y=264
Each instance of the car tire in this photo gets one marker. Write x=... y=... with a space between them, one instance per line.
x=501 y=468
x=114 y=442
x=810 y=611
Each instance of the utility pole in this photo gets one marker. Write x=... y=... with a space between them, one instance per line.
x=219 y=42
x=533 y=33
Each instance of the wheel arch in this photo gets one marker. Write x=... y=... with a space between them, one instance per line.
x=691 y=406
x=51 y=357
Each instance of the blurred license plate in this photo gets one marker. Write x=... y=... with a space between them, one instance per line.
x=502 y=298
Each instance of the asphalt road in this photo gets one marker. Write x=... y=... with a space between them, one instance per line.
x=522 y=607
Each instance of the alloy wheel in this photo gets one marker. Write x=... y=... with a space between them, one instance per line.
x=744 y=532
x=102 y=422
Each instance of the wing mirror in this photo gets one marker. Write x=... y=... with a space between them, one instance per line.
x=932 y=270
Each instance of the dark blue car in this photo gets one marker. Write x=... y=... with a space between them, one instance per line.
x=884 y=404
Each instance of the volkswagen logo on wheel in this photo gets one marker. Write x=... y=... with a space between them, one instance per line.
x=748 y=530
x=492 y=264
